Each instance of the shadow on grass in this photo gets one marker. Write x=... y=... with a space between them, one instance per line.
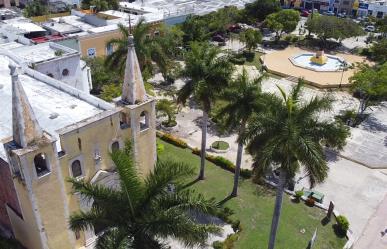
x=222 y=202
x=325 y=221
x=191 y=183
x=339 y=233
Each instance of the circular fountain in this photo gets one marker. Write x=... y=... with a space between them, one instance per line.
x=319 y=62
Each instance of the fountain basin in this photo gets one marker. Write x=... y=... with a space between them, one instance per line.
x=333 y=63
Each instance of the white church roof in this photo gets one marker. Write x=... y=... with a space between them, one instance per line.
x=53 y=108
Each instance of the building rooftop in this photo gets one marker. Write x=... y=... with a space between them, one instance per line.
x=42 y=52
x=61 y=27
x=22 y=25
x=54 y=104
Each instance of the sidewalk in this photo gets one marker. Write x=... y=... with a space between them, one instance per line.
x=372 y=237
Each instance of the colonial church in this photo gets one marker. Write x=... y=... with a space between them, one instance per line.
x=50 y=131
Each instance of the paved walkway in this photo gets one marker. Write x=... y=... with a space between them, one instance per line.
x=375 y=234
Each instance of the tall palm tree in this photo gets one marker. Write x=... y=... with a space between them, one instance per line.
x=290 y=136
x=244 y=99
x=140 y=213
x=208 y=73
x=148 y=49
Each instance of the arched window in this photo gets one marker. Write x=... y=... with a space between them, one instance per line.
x=124 y=121
x=144 y=120
x=41 y=166
x=115 y=146
x=65 y=72
x=79 y=144
x=76 y=168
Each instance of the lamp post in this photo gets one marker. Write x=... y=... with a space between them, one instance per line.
x=342 y=66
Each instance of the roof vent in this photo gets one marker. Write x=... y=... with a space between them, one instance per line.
x=1 y=86
x=73 y=106
x=54 y=115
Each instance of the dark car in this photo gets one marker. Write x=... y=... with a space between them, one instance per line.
x=304 y=13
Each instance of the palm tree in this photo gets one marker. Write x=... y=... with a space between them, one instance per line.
x=141 y=212
x=208 y=73
x=290 y=136
x=148 y=49
x=167 y=108
x=244 y=99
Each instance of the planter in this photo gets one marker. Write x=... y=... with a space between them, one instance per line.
x=220 y=147
x=168 y=127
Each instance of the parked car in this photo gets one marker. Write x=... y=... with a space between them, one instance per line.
x=370 y=28
x=341 y=15
x=330 y=13
x=304 y=13
x=235 y=28
x=218 y=38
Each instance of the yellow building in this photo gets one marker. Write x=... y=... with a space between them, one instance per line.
x=50 y=132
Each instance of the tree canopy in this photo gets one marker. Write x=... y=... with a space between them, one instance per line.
x=142 y=211
x=283 y=21
x=35 y=8
x=326 y=27
x=379 y=51
x=260 y=9
x=251 y=38
x=370 y=83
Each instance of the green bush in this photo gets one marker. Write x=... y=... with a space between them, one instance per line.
x=238 y=61
x=173 y=140
x=160 y=148
x=224 y=164
x=342 y=223
x=236 y=225
x=217 y=245
x=299 y=194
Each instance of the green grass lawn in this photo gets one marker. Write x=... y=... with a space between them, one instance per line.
x=220 y=145
x=254 y=208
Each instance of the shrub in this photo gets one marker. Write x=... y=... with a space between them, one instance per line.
x=160 y=148
x=299 y=194
x=342 y=223
x=217 y=245
x=173 y=140
x=224 y=164
x=238 y=61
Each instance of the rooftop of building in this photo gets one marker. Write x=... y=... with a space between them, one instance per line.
x=61 y=27
x=54 y=104
x=21 y=25
x=42 y=52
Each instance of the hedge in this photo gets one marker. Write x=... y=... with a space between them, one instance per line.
x=224 y=163
x=173 y=140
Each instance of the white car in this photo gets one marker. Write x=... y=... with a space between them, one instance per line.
x=370 y=28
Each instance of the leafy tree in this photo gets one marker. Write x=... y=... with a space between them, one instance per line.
x=100 y=5
x=208 y=72
x=283 y=21
x=100 y=74
x=167 y=108
x=35 y=8
x=326 y=27
x=110 y=91
x=195 y=28
x=260 y=9
x=379 y=51
x=148 y=48
x=289 y=136
x=140 y=212
x=381 y=25
x=370 y=83
x=251 y=38
x=244 y=99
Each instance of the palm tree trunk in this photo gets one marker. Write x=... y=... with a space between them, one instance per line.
x=203 y=147
x=277 y=209
x=238 y=163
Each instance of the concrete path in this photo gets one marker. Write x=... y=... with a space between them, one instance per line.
x=375 y=234
x=356 y=191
